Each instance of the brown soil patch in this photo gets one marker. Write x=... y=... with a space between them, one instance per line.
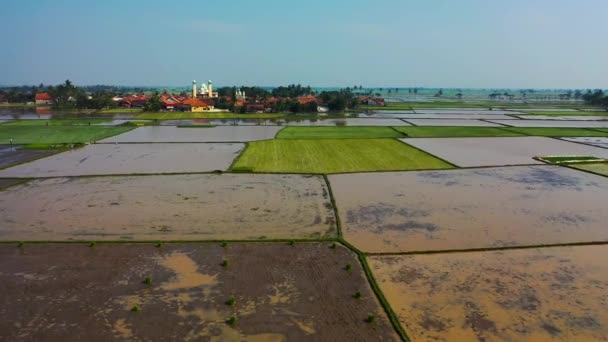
x=282 y=293
x=549 y=294
x=178 y=207
x=477 y=208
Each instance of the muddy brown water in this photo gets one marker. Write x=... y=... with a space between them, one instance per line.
x=281 y=293
x=547 y=294
x=177 y=207
x=476 y=208
x=168 y=134
x=107 y=159
x=468 y=152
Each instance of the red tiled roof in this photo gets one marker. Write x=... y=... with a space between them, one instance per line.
x=307 y=99
x=43 y=97
x=194 y=102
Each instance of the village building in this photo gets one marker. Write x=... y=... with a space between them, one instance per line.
x=134 y=101
x=371 y=101
x=43 y=98
x=196 y=105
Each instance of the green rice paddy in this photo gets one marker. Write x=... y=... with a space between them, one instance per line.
x=334 y=156
x=28 y=134
x=338 y=133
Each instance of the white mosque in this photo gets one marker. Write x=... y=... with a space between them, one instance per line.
x=206 y=90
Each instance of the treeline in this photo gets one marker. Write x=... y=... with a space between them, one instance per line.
x=68 y=96
x=100 y=93
x=286 y=98
x=596 y=98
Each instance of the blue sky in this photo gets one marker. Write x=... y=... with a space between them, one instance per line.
x=433 y=43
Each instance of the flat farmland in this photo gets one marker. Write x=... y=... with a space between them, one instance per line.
x=37 y=134
x=334 y=156
x=179 y=207
x=338 y=133
x=598 y=141
x=470 y=209
x=548 y=294
x=15 y=155
x=172 y=134
x=599 y=168
x=472 y=152
x=274 y=292
x=553 y=123
x=454 y=132
x=347 y=122
x=108 y=159
x=557 y=131
x=452 y=122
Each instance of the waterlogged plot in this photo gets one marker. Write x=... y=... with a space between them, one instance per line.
x=469 y=152
x=557 y=131
x=36 y=134
x=333 y=156
x=599 y=168
x=180 y=207
x=451 y=122
x=552 y=123
x=167 y=134
x=338 y=133
x=563 y=118
x=548 y=294
x=108 y=159
x=442 y=116
x=11 y=155
x=598 y=142
x=449 y=132
x=348 y=122
x=476 y=208
x=465 y=111
x=135 y=292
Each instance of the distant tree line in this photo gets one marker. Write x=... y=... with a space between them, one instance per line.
x=596 y=98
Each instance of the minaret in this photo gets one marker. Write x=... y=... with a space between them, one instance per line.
x=194 y=89
x=210 y=88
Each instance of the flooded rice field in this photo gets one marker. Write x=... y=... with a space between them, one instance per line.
x=552 y=123
x=598 y=142
x=11 y=155
x=349 y=122
x=564 y=118
x=465 y=111
x=160 y=134
x=107 y=159
x=441 y=116
x=466 y=209
x=450 y=122
x=599 y=168
x=548 y=294
x=471 y=152
x=178 y=207
x=302 y=292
